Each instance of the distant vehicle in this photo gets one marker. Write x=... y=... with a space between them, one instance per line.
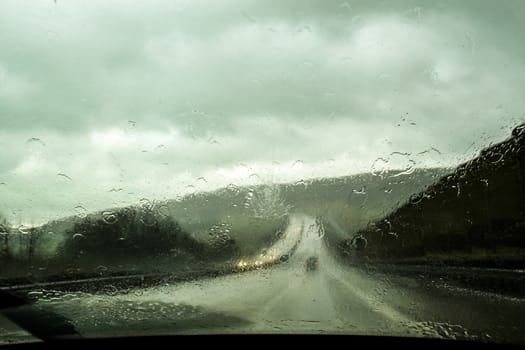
x=312 y=263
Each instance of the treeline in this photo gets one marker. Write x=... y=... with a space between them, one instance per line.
x=134 y=234
x=480 y=207
x=126 y=239
x=18 y=244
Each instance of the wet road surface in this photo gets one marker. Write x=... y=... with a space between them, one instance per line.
x=288 y=298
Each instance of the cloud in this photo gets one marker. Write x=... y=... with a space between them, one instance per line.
x=151 y=98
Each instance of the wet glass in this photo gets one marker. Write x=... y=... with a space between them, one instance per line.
x=196 y=167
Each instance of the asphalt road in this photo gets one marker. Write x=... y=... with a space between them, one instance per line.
x=288 y=298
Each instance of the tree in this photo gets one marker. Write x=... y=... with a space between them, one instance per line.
x=4 y=239
x=131 y=233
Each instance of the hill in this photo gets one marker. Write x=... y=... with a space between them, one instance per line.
x=474 y=215
x=200 y=229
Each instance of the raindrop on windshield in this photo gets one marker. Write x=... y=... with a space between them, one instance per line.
x=301 y=183
x=24 y=229
x=101 y=269
x=80 y=211
x=146 y=204
x=64 y=176
x=35 y=140
x=202 y=180
x=148 y=218
x=109 y=217
x=494 y=157
x=163 y=210
x=78 y=236
x=393 y=234
x=402 y=164
x=233 y=188
x=298 y=163
x=379 y=166
x=362 y=190
x=415 y=198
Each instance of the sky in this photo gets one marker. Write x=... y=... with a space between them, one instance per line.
x=104 y=103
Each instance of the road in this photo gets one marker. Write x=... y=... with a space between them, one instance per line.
x=287 y=298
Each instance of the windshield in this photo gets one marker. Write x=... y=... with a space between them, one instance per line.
x=203 y=167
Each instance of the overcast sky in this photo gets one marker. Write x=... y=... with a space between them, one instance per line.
x=103 y=103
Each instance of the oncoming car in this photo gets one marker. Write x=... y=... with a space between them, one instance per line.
x=312 y=263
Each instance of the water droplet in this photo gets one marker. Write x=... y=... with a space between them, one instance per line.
x=494 y=157
x=36 y=293
x=163 y=210
x=35 y=140
x=431 y=149
x=146 y=204
x=64 y=176
x=415 y=198
x=254 y=176
x=78 y=236
x=80 y=211
x=148 y=219
x=101 y=269
x=400 y=153
x=388 y=190
x=301 y=183
x=379 y=166
x=298 y=163
x=110 y=290
x=109 y=217
x=233 y=188
x=393 y=234
x=24 y=229
x=362 y=190
x=409 y=168
x=202 y=180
